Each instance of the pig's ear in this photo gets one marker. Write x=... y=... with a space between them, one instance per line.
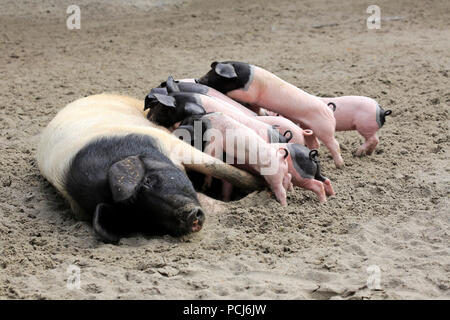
x=125 y=177
x=105 y=222
x=332 y=105
x=149 y=101
x=158 y=90
x=225 y=70
x=165 y=100
x=171 y=85
x=313 y=154
x=191 y=108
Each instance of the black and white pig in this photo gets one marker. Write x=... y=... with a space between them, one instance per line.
x=124 y=173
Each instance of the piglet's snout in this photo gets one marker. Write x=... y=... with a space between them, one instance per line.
x=195 y=219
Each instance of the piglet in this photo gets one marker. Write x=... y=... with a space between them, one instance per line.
x=359 y=113
x=256 y=86
x=263 y=158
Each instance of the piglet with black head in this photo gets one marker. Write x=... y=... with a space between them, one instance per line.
x=304 y=167
x=167 y=109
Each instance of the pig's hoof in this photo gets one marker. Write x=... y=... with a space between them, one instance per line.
x=339 y=165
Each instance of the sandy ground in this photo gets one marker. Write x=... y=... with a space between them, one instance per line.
x=391 y=209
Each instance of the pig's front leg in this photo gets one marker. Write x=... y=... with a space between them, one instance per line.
x=227 y=188
x=333 y=145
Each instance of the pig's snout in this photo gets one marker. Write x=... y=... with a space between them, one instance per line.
x=307 y=132
x=195 y=219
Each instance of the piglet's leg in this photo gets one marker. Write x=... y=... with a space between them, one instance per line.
x=227 y=189
x=328 y=188
x=312 y=142
x=210 y=150
x=317 y=187
x=335 y=151
x=368 y=146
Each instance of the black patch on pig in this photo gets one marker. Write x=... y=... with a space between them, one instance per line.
x=127 y=185
x=381 y=115
x=196 y=132
x=305 y=161
x=165 y=114
x=313 y=155
x=159 y=90
x=228 y=76
x=193 y=87
x=186 y=87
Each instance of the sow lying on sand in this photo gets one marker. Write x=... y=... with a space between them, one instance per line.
x=124 y=173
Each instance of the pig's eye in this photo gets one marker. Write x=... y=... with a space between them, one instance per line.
x=152 y=181
x=147 y=182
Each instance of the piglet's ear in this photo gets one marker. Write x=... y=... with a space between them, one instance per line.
x=225 y=70
x=165 y=100
x=125 y=177
x=158 y=90
x=105 y=223
x=171 y=85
